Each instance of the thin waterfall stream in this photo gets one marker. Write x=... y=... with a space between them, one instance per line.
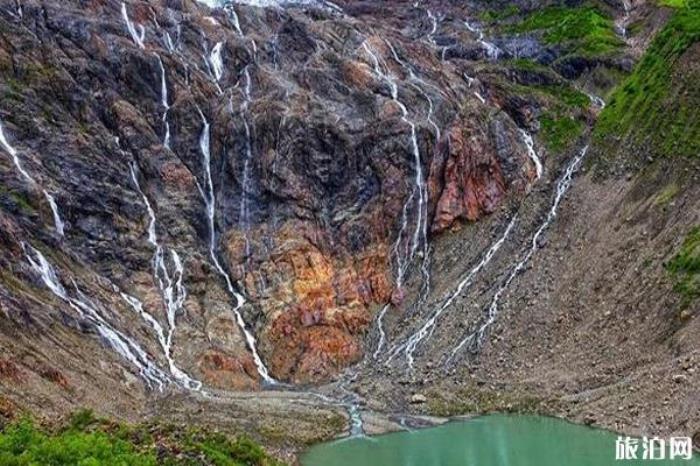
x=210 y=203
x=172 y=290
x=59 y=225
x=474 y=340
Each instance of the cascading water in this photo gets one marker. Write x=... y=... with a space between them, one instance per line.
x=244 y=214
x=418 y=194
x=59 y=225
x=428 y=327
x=492 y=50
x=172 y=290
x=380 y=330
x=210 y=203
x=120 y=343
x=216 y=62
x=419 y=236
x=413 y=77
x=164 y=102
x=622 y=22
x=532 y=153
x=475 y=339
x=275 y=3
x=137 y=36
x=433 y=27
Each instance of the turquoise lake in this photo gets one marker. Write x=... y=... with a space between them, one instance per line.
x=498 y=440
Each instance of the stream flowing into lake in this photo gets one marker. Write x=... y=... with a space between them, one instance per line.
x=496 y=440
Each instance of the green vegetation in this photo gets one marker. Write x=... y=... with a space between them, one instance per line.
x=667 y=195
x=656 y=107
x=568 y=95
x=685 y=268
x=674 y=3
x=501 y=13
x=558 y=133
x=584 y=30
x=88 y=441
x=19 y=199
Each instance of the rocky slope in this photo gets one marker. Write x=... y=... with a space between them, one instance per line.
x=197 y=201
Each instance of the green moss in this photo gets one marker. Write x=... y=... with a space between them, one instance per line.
x=22 y=443
x=86 y=440
x=656 y=107
x=674 y=3
x=583 y=30
x=568 y=95
x=685 y=268
x=559 y=133
x=20 y=200
x=667 y=195
x=500 y=14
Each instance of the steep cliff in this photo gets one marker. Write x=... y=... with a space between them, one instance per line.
x=203 y=199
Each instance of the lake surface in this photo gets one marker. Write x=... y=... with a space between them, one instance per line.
x=498 y=440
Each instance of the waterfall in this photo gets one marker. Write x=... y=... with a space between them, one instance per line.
x=419 y=236
x=168 y=41
x=325 y=4
x=13 y=153
x=413 y=77
x=172 y=290
x=59 y=225
x=532 y=153
x=434 y=26
x=164 y=102
x=480 y=97
x=120 y=343
x=475 y=339
x=597 y=101
x=244 y=214
x=492 y=50
x=429 y=326
x=380 y=329
x=216 y=62
x=418 y=193
x=138 y=37
x=210 y=203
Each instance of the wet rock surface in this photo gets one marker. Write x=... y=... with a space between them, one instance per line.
x=331 y=167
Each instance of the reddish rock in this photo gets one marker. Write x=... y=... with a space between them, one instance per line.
x=466 y=178
x=10 y=371
x=55 y=376
x=177 y=175
x=229 y=372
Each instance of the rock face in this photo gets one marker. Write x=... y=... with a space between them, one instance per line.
x=315 y=121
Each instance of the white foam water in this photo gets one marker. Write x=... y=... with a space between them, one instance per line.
x=119 y=342
x=426 y=330
x=210 y=203
x=59 y=225
x=532 y=153
x=475 y=339
x=137 y=36
x=172 y=290
x=164 y=103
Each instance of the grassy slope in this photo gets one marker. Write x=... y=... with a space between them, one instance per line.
x=656 y=109
x=655 y=114
x=584 y=30
x=685 y=268
x=88 y=441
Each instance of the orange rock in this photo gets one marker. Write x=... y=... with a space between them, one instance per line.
x=466 y=180
x=224 y=371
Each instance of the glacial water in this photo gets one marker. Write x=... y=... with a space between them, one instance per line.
x=498 y=440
